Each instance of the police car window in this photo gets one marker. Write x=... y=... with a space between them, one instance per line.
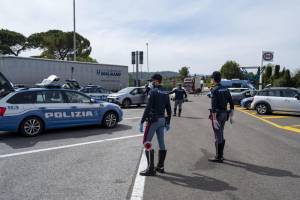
x=288 y=93
x=100 y=90
x=53 y=96
x=85 y=90
x=23 y=98
x=236 y=85
x=74 y=97
x=40 y=98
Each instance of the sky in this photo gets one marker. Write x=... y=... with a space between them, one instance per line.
x=200 y=34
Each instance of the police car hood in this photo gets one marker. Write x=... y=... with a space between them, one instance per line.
x=6 y=87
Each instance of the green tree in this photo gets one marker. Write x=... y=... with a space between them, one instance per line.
x=56 y=44
x=86 y=59
x=285 y=80
x=184 y=72
x=276 y=72
x=231 y=70
x=296 y=79
x=267 y=76
x=11 y=43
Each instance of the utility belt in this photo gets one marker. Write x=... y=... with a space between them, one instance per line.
x=152 y=117
x=219 y=112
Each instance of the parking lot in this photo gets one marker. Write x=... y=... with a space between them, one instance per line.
x=281 y=120
x=96 y=163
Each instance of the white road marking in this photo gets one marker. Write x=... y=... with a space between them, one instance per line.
x=139 y=183
x=67 y=146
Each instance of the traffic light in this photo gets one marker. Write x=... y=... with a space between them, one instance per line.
x=141 y=58
x=133 y=57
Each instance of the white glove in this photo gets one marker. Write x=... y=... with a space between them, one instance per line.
x=216 y=124
x=141 y=127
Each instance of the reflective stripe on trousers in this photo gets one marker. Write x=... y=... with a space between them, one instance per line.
x=157 y=127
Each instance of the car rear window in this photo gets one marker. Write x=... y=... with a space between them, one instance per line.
x=288 y=93
x=23 y=98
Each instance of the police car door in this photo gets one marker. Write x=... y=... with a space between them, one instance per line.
x=55 y=110
x=83 y=110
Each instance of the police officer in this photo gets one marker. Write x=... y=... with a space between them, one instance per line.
x=154 y=115
x=220 y=97
x=180 y=94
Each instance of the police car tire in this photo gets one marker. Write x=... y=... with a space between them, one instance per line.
x=106 y=122
x=34 y=121
x=126 y=103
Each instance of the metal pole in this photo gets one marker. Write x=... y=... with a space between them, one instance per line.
x=137 y=68
x=147 y=58
x=260 y=73
x=74 y=31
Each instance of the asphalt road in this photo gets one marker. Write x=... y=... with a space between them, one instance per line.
x=262 y=161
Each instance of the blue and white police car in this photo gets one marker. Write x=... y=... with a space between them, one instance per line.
x=33 y=110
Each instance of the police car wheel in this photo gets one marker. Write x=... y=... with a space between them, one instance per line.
x=262 y=109
x=110 y=120
x=126 y=103
x=32 y=126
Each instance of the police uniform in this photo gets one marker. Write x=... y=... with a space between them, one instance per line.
x=220 y=98
x=180 y=94
x=154 y=115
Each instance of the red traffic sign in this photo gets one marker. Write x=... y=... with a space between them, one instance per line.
x=268 y=56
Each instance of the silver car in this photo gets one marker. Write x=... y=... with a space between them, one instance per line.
x=276 y=99
x=129 y=96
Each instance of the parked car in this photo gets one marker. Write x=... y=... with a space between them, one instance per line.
x=276 y=99
x=238 y=94
x=246 y=103
x=30 y=111
x=129 y=96
x=96 y=92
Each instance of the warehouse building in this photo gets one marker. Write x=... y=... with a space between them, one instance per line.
x=29 y=71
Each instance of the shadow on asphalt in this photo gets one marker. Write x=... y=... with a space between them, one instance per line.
x=197 y=181
x=261 y=170
x=17 y=141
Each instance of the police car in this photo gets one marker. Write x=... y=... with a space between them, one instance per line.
x=30 y=111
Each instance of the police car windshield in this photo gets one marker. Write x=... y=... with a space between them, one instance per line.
x=125 y=90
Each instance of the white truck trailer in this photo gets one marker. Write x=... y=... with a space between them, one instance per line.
x=193 y=84
x=29 y=71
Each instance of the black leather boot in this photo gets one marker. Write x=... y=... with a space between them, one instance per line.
x=174 y=114
x=222 y=150
x=179 y=113
x=218 y=157
x=161 y=161
x=150 y=171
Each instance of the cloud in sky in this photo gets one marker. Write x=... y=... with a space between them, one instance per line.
x=202 y=34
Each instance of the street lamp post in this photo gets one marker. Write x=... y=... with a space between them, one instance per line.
x=147 y=58
x=74 y=31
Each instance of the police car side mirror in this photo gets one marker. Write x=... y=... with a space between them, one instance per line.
x=92 y=101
